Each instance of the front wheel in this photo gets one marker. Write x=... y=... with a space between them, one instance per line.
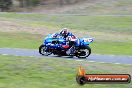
x=84 y=52
x=42 y=50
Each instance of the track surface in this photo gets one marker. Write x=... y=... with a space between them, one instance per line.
x=93 y=57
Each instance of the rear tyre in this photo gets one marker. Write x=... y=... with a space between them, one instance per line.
x=42 y=51
x=84 y=52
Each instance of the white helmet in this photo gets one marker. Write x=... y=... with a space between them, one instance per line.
x=64 y=32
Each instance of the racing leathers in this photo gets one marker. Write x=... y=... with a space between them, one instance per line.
x=70 y=38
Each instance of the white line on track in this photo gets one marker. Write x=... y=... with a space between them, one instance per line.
x=79 y=60
x=113 y=55
x=75 y=60
x=117 y=63
x=4 y=54
x=18 y=48
x=93 y=53
x=91 y=61
x=102 y=62
x=69 y=59
x=31 y=56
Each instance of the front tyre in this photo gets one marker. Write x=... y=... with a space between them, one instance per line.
x=42 y=50
x=84 y=52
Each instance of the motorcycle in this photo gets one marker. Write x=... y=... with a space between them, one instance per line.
x=58 y=46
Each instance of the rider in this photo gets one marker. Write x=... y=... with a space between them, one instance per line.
x=63 y=33
x=67 y=35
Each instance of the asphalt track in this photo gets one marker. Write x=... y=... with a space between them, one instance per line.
x=92 y=58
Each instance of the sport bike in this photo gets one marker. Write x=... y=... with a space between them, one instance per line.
x=62 y=47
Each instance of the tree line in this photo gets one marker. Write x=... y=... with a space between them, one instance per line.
x=6 y=5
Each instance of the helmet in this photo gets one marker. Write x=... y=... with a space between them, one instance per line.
x=64 y=32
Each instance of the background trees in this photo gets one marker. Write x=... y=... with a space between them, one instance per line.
x=28 y=3
x=5 y=5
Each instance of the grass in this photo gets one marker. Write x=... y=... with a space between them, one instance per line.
x=121 y=24
x=20 y=40
x=33 y=41
x=27 y=72
x=88 y=7
x=112 y=34
x=116 y=48
x=101 y=7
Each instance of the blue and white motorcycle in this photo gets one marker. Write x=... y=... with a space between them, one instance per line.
x=58 y=46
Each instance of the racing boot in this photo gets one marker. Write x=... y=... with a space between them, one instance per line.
x=71 y=51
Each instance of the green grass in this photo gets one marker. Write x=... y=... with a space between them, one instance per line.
x=121 y=24
x=87 y=7
x=33 y=41
x=101 y=7
x=116 y=48
x=27 y=72
x=20 y=40
x=112 y=34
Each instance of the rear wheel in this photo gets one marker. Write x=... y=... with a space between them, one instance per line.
x=84 y=52
x=42 y=51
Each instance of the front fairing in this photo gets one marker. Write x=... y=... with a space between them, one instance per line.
x=87 y=41
x=83 y=41
x=49 y=39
